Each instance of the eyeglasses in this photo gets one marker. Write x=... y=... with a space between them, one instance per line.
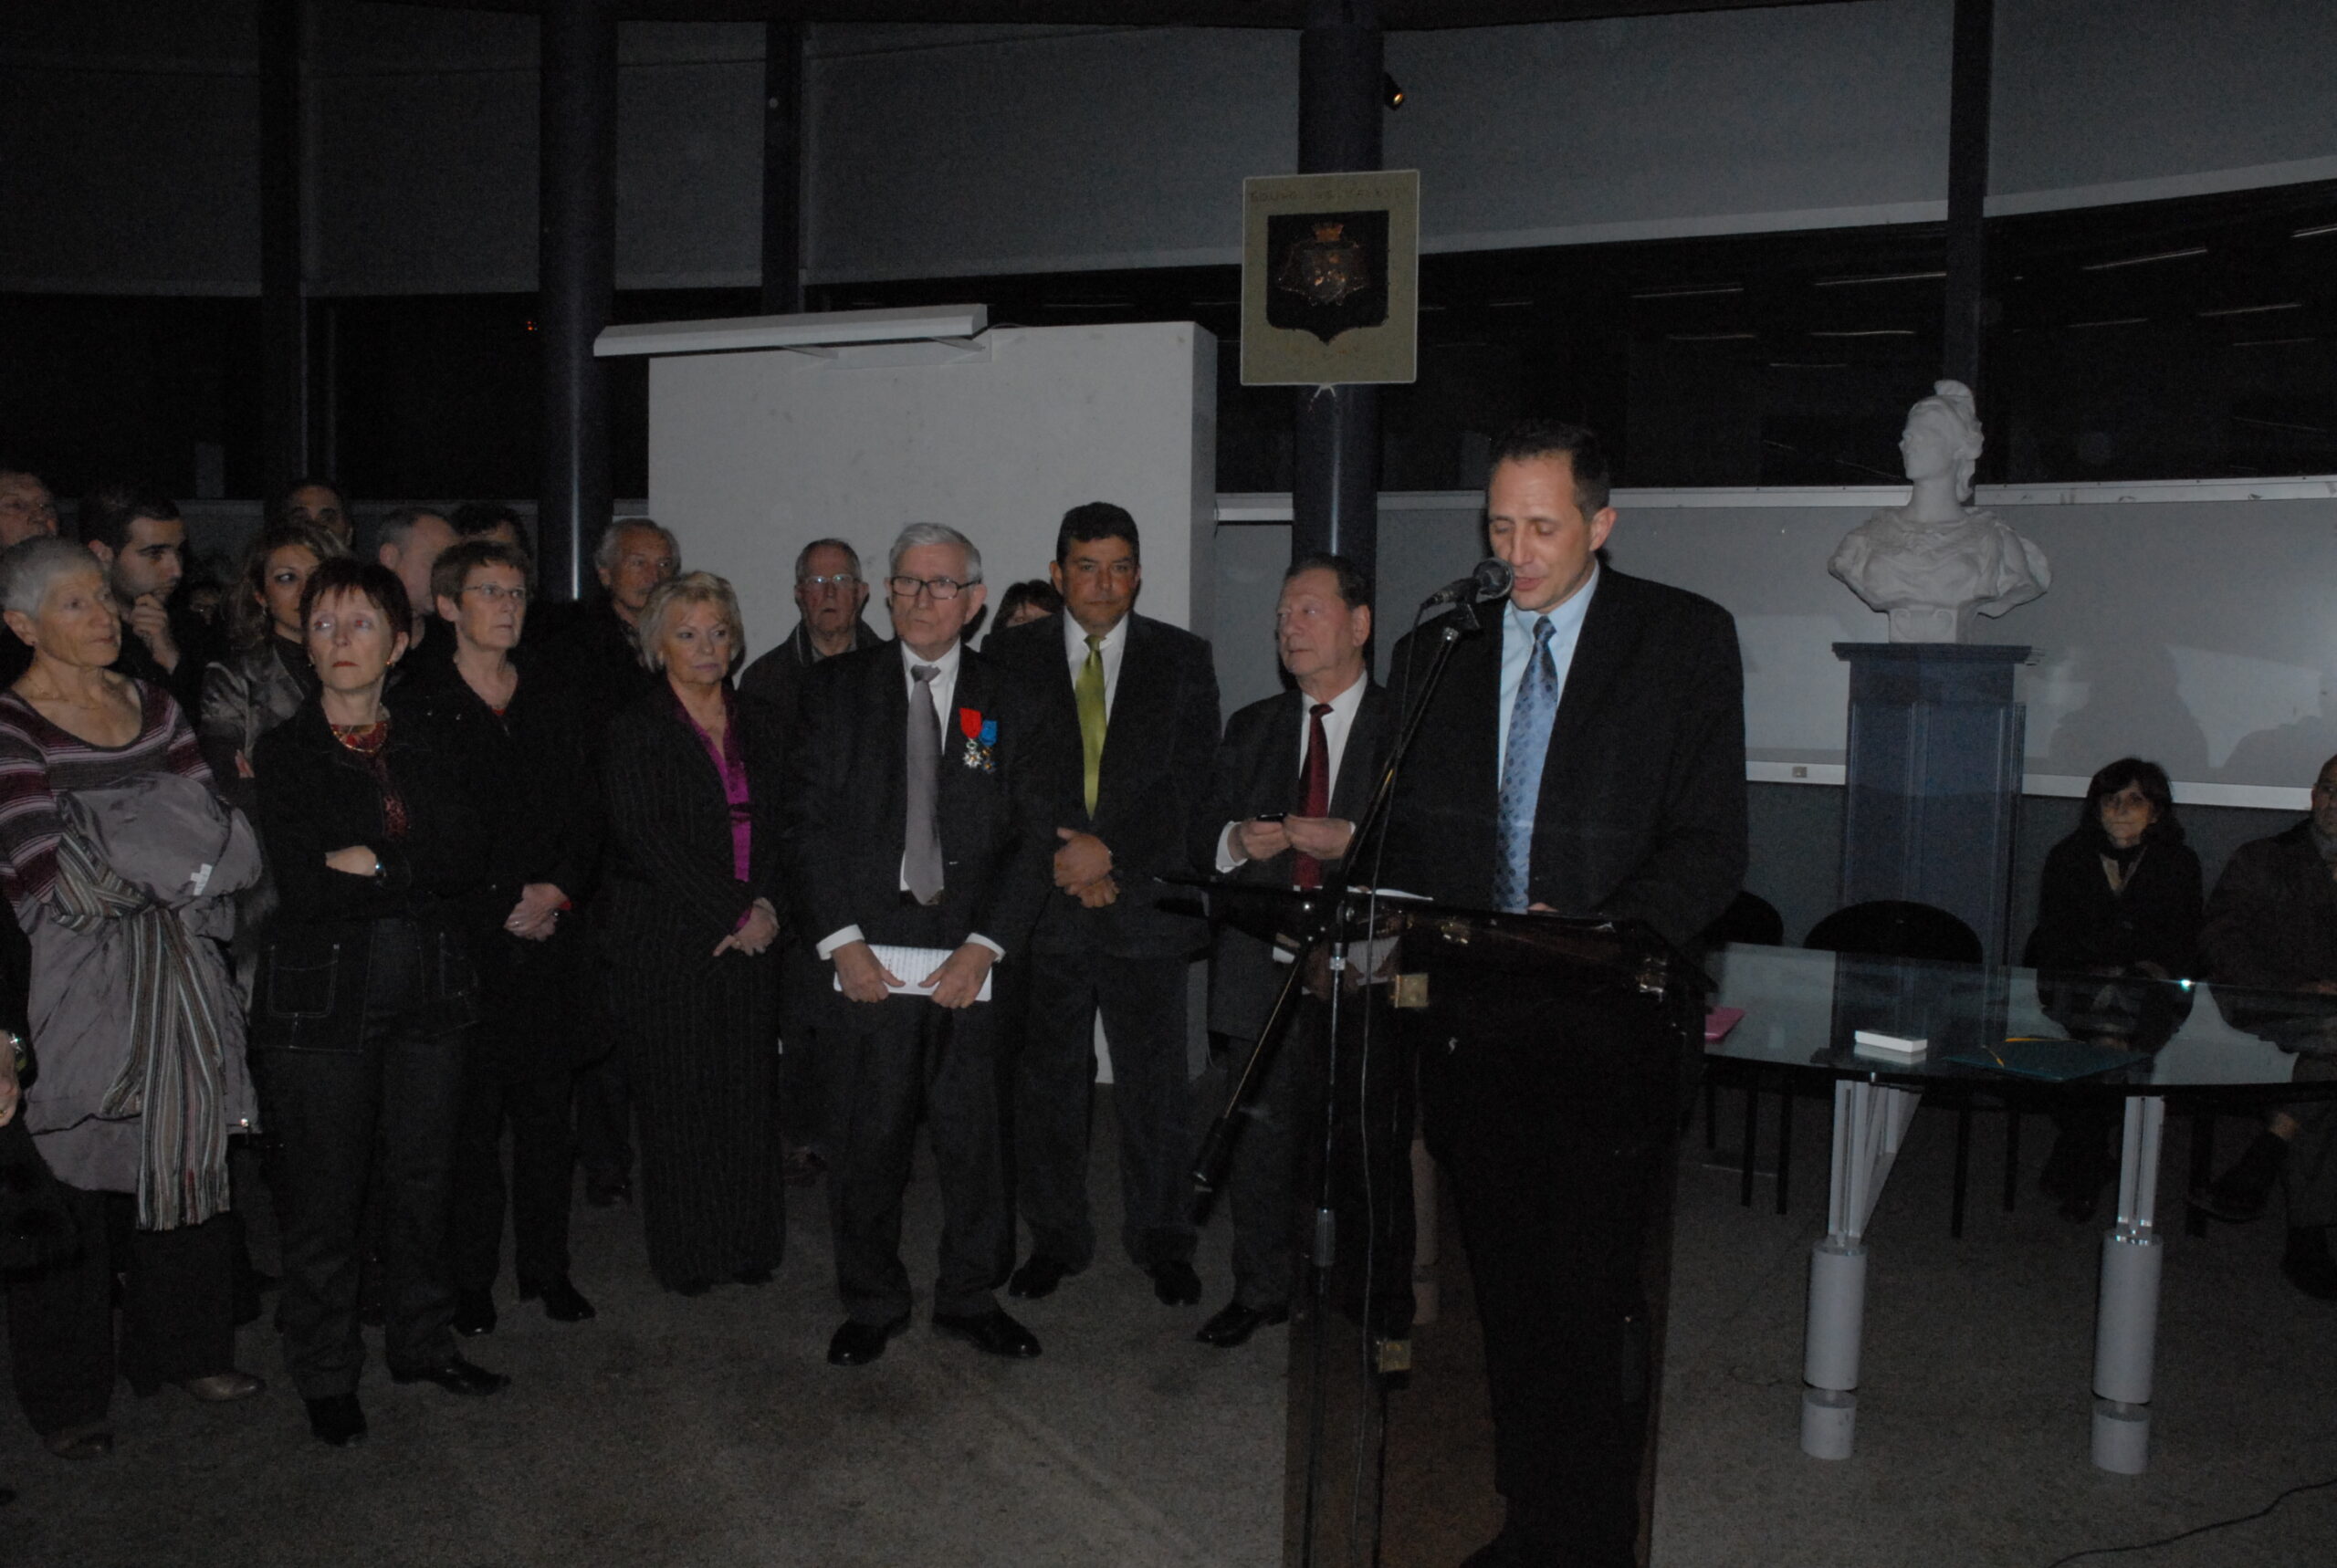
x=30 y=509
x=496 y=593
x=843 y=581
x=941 y=589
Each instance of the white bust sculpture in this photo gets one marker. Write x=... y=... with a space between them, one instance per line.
x=1931 y=563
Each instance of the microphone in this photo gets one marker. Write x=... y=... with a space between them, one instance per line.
x=1491 y=581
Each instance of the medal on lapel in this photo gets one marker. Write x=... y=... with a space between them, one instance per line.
x=981 y=734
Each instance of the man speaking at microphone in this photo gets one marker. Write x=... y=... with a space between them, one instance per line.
x=1585 y=755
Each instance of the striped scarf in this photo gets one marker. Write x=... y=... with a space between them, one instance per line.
x=173 y=1080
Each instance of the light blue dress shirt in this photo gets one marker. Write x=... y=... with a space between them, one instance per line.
x=1517 y=646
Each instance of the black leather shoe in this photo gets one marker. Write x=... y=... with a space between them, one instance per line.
x=857 y=1343
x=337 y=1419
x=1234 y=1323
x=753 y=1276
x=1176 y=1284
x=992 y=1331
x=1037 y=1278
x=563 y=1304
x=457 y=1377
x=473 y=1313
x=608 y=1194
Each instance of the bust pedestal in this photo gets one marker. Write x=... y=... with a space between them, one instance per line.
x=1935 y=763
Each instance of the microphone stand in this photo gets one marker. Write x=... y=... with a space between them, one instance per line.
x=1320 y=913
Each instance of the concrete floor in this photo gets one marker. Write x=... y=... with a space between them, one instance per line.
x=713 y=1432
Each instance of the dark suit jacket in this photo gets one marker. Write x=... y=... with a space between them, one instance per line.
x=670 y=892
x=847 y=804
x=1153 y=789
x=777 y=677
x=1643 y=805
x=1257 y=772
x=2272 y=919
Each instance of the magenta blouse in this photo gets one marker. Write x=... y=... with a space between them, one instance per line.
x=731 y=763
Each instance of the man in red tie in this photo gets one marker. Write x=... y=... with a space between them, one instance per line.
x=1293 y=773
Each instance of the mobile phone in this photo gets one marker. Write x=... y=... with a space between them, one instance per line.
x=1270 y=816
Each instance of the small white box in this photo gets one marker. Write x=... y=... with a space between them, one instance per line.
x=1897 y=1048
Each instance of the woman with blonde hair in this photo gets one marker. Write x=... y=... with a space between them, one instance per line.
x=690 y=932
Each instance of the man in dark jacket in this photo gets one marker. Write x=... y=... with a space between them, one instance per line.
x=916 y=856
x=593 y=650
x=1295 y=775
x=830 y=594
x=2271 y=927
x=1141 y=695
x=141 y=540
x=1584 y=755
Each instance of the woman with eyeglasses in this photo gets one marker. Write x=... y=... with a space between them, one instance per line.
x=520 y=732
x=690 y=933
x=364 y=996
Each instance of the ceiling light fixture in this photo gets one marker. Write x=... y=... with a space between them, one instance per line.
x=2182 y=255
x=2254 y=309
x=1389 y=93
x=2315 y=232
x=2121 y=321
x=1877 y=278
x=1688 y=291
x=1866 y=332
x=1710 y=336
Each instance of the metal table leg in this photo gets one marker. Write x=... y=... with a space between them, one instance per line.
x=2125 y=1330
x=1870 y=1123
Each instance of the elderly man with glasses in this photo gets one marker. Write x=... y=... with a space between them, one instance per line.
x=920 y=832
x=830 y=594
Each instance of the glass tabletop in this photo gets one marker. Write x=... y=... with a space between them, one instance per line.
x=2016 y=1027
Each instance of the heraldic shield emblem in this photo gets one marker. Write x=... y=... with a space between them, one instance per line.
x=1330 y=271
x=1330 y=278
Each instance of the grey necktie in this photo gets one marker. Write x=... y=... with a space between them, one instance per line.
x=921 y=850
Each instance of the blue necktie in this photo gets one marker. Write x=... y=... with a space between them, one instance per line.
x=1520 y=771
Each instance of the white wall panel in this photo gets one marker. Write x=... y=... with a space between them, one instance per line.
x=752 y=455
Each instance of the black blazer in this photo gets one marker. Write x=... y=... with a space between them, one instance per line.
x=2271 y=921
x=670 y=892
x=848 y=804
x=1641 y=813
x=1257 y=772
x=317 y=796
x=777 y=677
x=530 y=777
x=2083 y=925
x=1152 y=789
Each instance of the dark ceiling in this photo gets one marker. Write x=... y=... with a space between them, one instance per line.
x=1393 y=13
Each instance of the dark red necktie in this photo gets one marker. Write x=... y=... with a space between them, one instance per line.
x=1305 y=871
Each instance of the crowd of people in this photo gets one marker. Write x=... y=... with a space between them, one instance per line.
x=390 y=891
x=381 y=867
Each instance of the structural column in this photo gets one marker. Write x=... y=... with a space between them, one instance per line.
x=576 y=270
x=1334 y=479
x=782 y=168
x=283 y=291
x=1967 y=189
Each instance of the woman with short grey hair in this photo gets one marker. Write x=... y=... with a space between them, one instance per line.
x=118 y=857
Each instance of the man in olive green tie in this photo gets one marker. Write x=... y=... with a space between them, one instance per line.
x=1144 y=696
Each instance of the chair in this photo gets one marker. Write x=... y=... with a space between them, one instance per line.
x=1754 y=920
x=1891 y=928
